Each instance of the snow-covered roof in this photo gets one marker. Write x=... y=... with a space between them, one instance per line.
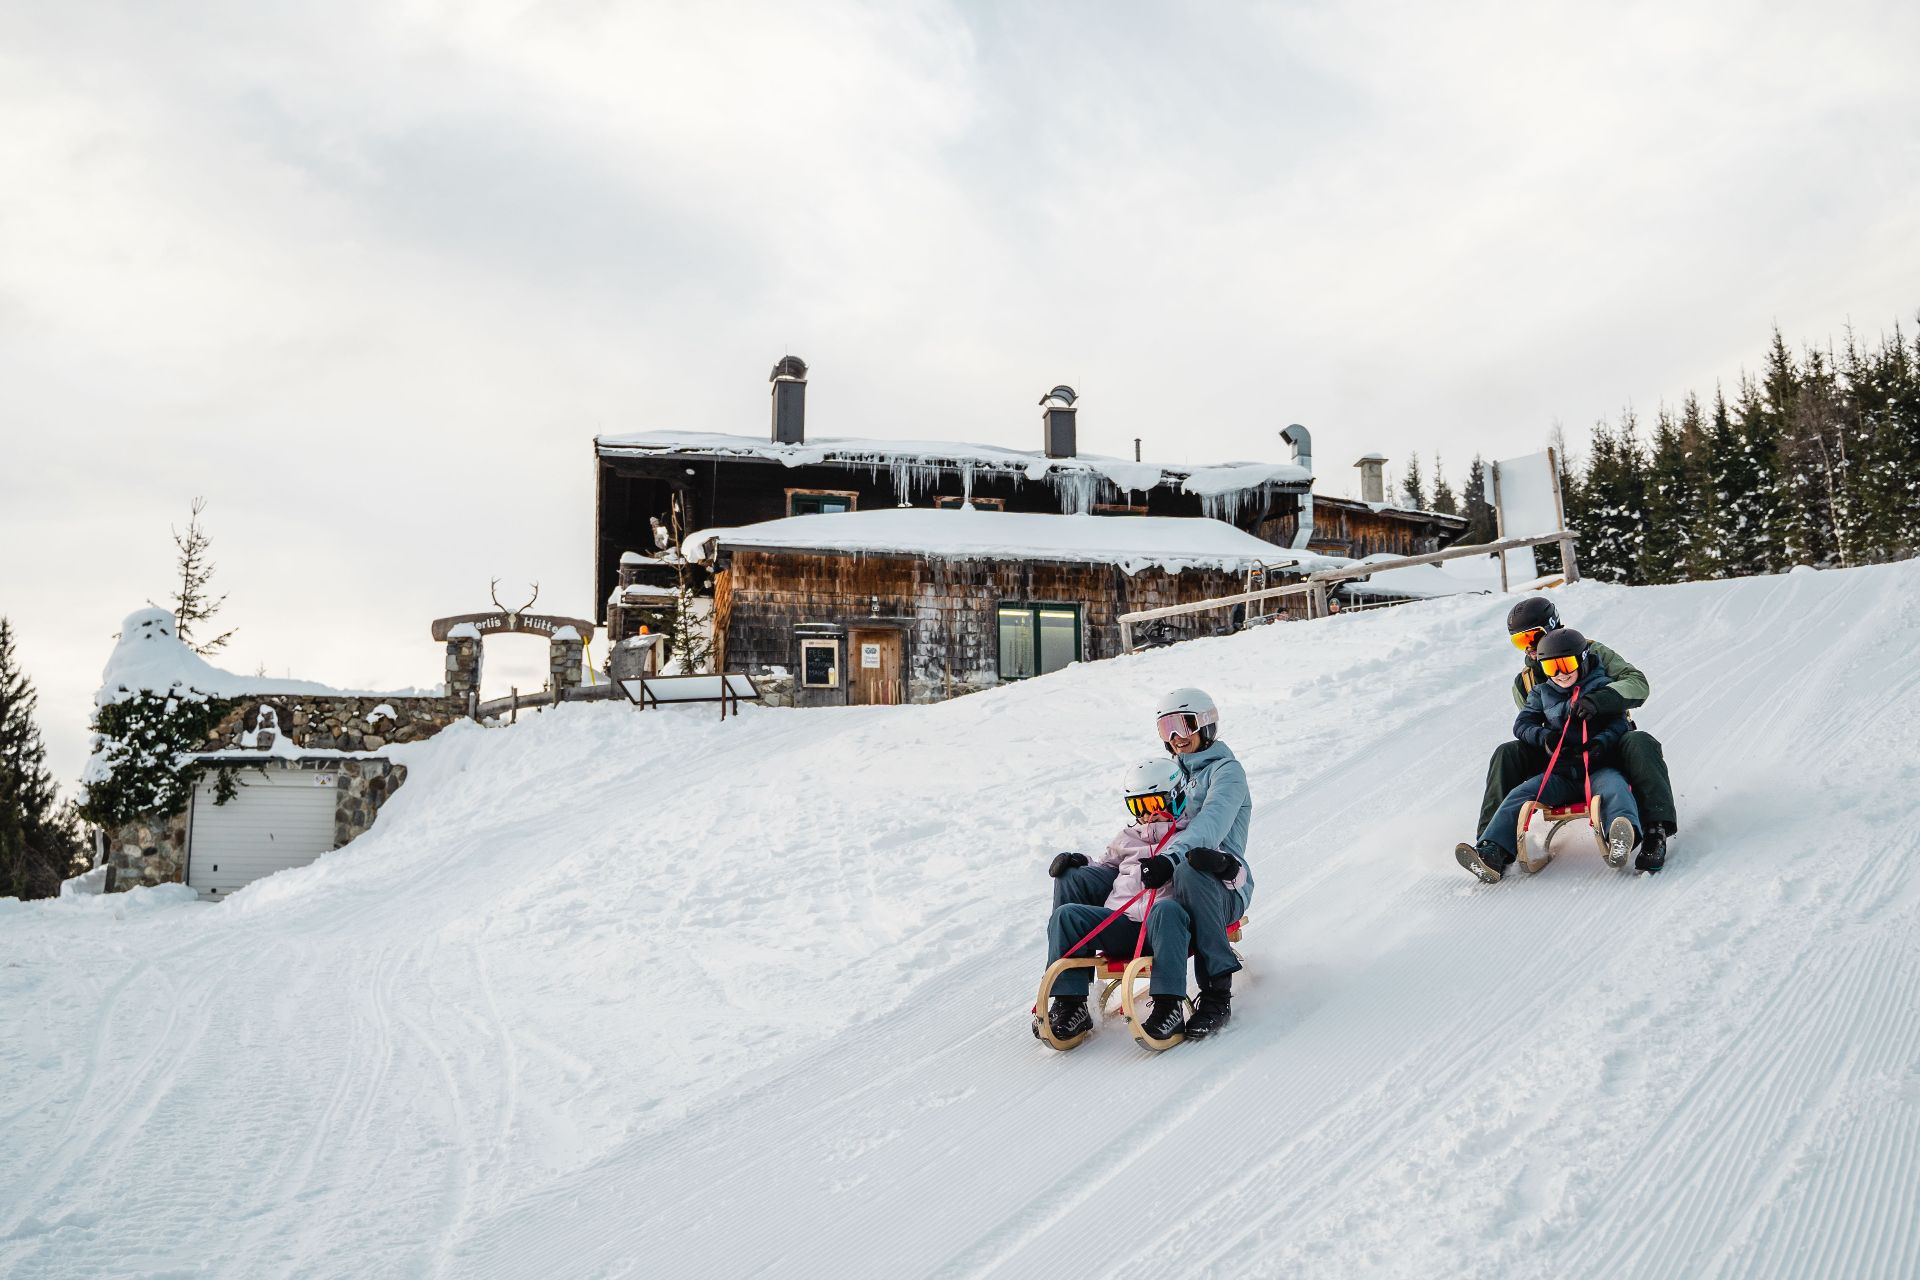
x=150 y=657
x=1428 y=581
x=1131 y=542
x=1137 y=477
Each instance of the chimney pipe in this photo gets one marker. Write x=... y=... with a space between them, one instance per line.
x=1058 y=427
x=1300 y=440
x=789 y=379
x=1373 y=482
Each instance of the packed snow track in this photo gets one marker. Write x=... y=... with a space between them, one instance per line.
x=622 y=994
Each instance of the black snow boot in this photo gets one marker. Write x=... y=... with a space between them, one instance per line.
x=1164 y=1022
x=1653 y=851
x=1486 y=860
x=1210 y=1013
x=1068 y=1017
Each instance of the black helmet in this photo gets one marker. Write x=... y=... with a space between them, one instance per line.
x=1535 y=613
x=1564 y=643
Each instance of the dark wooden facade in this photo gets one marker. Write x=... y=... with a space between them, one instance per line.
x=1346 y=527
x=938 y=615
x=707 y=491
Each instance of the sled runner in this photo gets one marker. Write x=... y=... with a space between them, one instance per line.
x=1120 y=976
x=1553 y=820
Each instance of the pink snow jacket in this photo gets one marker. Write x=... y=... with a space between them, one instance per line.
x=1134 y=845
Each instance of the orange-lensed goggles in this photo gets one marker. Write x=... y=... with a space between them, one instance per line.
x=1561 y=666
x=1144 y=806
x=1525 y=639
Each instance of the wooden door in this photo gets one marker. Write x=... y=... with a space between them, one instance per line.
x=874 y=666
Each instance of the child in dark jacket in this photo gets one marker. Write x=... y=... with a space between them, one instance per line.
x=1575 y=747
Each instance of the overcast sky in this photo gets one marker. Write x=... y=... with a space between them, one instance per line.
x=370 y=276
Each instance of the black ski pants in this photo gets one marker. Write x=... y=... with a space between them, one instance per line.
x=1640 y=757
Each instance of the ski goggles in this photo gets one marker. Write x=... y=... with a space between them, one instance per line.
x=1177 y=724
x=1528 y=638
x=1566 y=666
x=1159 y=804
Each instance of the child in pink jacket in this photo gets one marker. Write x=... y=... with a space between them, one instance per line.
x=1087 y=890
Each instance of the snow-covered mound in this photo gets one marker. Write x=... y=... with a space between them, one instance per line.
x=649 y=994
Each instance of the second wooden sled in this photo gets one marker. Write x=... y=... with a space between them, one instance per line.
x=1555 y=819
x=1121 y=976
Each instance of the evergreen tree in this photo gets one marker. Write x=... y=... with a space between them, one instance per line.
x=1702 y=514
x=1443 y=499
x=1811 y=480
x=1413 y=489
x=1748 y=485
x=39 y=839
x=1614 y=507
x=1667 y=545
x=1475 y=507
x=193 y=600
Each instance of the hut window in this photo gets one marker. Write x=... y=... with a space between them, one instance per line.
x=820 y=502
x=1037 y=638
x=979 y=504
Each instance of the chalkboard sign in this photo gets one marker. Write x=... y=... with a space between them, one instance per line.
x=820 y=664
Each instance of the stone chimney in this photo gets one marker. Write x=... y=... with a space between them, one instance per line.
x=1059 y=433
x=789 y=379
x=1373 y=479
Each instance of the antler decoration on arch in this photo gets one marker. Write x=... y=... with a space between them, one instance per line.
x=493 y=589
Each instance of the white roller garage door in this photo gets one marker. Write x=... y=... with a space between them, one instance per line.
x=281 y=818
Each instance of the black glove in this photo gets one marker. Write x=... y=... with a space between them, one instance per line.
x=1065 y=862
x=1214 y=863
x=1600 y=703
x=1156 y=871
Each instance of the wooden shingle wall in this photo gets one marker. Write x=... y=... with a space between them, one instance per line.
x=947 y=608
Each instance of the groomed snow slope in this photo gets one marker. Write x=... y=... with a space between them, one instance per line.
x=619 y=994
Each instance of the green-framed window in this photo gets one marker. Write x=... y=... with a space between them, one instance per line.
x=1038 y=638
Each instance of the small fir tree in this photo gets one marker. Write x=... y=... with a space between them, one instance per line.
x=1474 y=505
x=194 y=603
x=1443 y=500
x=1412 y=487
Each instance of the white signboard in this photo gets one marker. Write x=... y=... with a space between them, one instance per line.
x=870 y=656
x=1526 y=504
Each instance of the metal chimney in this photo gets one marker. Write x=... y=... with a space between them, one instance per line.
x=1057 y=423
x=1300 y=440
x=789 y=379
x=1373 y=480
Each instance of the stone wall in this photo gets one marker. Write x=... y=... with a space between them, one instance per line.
x=154 y=851
x=332 y=722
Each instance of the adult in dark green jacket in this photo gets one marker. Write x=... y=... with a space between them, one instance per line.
x=1640 y=756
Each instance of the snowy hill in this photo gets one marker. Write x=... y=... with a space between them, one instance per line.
x=619 y=994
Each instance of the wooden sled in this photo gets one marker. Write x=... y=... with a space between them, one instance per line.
x=1555 y=820
x=1120 y=976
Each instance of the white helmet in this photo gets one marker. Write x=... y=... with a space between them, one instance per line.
x=1155 y=787
x=1185 y=711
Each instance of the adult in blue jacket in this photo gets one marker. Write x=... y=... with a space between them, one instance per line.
x=1205 y=863
x=1580 y=753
